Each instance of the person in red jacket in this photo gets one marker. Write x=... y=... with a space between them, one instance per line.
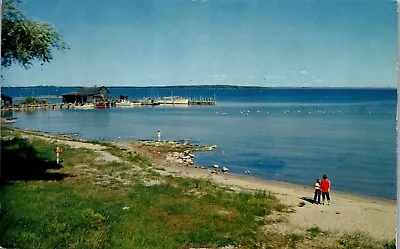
x=325 y=188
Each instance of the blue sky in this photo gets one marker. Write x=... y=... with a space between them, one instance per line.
x=231 y=42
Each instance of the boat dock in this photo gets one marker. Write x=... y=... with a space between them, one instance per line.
x=202 y=101
x=112 y=103
x=26 y=107
x=43 y=97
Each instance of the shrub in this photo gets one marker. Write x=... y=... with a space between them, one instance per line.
x=94 y=220
x=314 y=231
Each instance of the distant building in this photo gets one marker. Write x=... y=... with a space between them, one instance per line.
x=87 y=95
x=5 y=100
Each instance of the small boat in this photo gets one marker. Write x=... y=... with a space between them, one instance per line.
x=224 y=169
x=102 y=105
x=85 y=106
x=127 y=103
x=149 y=102
x=135 y=103
x=8 y=120
x=174 y=100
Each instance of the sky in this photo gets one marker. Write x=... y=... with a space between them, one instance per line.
x=271 y=43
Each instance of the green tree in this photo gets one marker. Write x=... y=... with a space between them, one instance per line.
x=30 y=101
x=23 y=40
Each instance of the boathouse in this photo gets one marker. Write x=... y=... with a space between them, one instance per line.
x=5 y=100
x=87 y=95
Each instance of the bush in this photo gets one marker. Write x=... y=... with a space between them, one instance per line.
x=390 y=245
x=94 y=220
x=314 y=231
x=30 y=101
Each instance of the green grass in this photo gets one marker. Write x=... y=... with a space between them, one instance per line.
x=46 y=211
x=52 y=215
x=361 y=240
x=201 y=221
x=390 y=245
x=7 y=131
x=55 y=214
x=122 y=153
x=314 y=231
x=72 y=212
x=129 y=156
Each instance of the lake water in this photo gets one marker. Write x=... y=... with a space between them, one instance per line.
x=292 y=135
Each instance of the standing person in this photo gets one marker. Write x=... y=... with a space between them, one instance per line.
x=158 y=136
x=325 y=188
x=317 y=192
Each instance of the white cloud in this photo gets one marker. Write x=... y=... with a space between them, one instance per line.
x=304 y=72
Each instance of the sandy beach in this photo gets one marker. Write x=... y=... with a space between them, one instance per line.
x=347 y=213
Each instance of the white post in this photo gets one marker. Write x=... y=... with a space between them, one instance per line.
x=58 y=158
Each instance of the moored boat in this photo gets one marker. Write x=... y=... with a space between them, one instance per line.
x=85 y=106
x=149 y=102
x=8 y=120
x=102 y=105
x=127 y=103
x=174 y=100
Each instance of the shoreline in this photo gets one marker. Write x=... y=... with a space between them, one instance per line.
x=196 y=166
x=347 y=214
x=251 y=180
x=311 y=188
x=204 y=167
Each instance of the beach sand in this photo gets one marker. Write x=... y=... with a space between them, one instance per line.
x=347 y=213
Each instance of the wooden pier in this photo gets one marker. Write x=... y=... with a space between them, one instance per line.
x=55 y=106
x=28 y=107
x=42 y=97
x=202 y=101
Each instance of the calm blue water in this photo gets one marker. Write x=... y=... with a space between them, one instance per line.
x=292 y=135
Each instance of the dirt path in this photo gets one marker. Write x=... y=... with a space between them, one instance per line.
x=103 y=155
x=346 y=214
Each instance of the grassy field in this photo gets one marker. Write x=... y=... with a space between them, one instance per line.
x=87 y=203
